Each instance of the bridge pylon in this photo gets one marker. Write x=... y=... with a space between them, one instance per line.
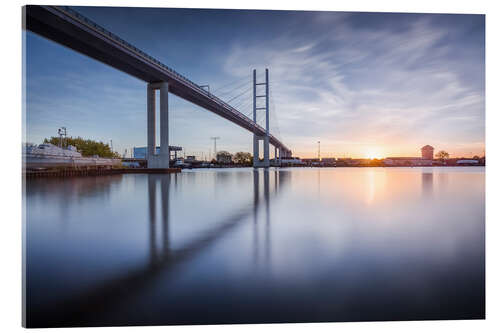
x=257 y=163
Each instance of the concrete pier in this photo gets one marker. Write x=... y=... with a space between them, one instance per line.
x=164 y=148
x=162 y=159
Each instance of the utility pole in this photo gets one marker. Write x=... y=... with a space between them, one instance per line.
x=215 y=138
x=111 y=145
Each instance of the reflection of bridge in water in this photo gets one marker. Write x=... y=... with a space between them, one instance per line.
x=84 y=308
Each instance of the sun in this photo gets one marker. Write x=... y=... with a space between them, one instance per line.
x=373 y=153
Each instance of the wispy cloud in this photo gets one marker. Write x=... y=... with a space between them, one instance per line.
x=372 y=86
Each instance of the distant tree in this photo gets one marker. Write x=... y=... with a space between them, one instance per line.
x=375 y=162
x=85 y=146
x=242 y=158
x=224 y=157
x=476 y=157
x=442 y=155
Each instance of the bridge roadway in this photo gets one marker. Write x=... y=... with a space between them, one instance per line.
x=67 y=27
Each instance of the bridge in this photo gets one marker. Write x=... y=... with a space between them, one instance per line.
x=67 y=27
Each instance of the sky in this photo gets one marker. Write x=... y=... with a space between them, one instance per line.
x=366 y=85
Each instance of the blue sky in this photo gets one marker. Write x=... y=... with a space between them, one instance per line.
x=364 y=84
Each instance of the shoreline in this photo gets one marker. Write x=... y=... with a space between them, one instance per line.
x=73 y=172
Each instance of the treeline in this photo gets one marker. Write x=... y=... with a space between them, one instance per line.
x=86 y=147
x=242 y=158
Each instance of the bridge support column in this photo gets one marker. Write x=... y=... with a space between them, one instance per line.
x=151 y=101
x=256 y=152
x=266 y=163
x=164 y=158
x=161 y=160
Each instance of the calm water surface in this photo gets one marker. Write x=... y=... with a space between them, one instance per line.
x=244 y=246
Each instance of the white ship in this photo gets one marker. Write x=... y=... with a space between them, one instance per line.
x=48 y=149
x=47 y=155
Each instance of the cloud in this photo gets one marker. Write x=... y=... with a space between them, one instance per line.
x=368 y=85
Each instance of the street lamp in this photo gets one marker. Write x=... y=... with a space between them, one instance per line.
x=62 y=132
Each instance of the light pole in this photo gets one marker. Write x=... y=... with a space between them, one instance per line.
x=62 y=132
x=319 y=151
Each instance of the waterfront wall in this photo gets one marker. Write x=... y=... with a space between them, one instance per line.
x=92 y=171
x=40 y=161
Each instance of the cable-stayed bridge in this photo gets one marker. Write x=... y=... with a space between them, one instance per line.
x=67 y=27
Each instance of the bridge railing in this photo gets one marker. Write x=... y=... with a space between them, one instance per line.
x=71 y=12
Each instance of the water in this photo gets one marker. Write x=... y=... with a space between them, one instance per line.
x=239 y=246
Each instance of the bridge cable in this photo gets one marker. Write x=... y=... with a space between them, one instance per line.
x=243 y=103
x=275 y=115
x=231 y=83
x=241 y=94
x=237 y=88
x=241 y=97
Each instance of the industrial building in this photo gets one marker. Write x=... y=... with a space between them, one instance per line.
x=425 y=160
x=407 y=161
x=427 y=152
